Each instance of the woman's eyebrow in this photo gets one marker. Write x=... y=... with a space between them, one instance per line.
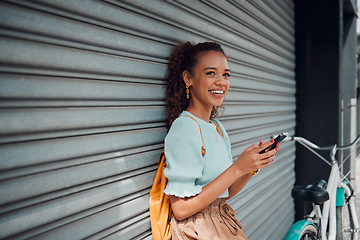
x=213 y=68
x=210 y=68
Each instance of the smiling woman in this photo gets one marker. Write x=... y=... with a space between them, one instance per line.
x=208 y=83
x=183 y=62
x=200 y=182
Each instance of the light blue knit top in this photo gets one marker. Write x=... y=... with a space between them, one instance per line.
x=187 y=170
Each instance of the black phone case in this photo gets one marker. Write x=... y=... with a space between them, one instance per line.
x=276 y=140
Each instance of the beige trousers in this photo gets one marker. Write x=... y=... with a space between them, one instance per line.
x=216 y=221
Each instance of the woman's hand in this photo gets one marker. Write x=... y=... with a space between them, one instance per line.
x=250 y=160
x=233 y=178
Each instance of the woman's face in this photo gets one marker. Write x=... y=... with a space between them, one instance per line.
x=210 y=80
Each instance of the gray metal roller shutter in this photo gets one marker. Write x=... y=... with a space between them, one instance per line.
x=83 y=109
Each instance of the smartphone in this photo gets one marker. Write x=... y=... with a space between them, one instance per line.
x=278 y=139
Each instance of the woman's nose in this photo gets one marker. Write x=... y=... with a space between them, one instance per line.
x=220 y=81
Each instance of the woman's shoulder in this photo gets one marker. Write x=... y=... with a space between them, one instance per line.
x=184 y=132
x=183 y=128
x=183 y=123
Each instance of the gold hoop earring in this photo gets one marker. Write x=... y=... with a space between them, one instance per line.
x=187 y=92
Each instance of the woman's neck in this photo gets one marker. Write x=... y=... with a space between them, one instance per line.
x=203 y=114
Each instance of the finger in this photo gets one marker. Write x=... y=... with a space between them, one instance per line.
x=266 y=164
x=265 y=145
x=268 y=154
x=267 y=161
x=261 y=142
x=277 y=146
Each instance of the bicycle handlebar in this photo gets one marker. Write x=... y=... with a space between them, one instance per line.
x=308 y=143
x=314 y=146
x=349 y=145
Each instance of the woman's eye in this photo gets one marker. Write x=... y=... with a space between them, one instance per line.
x=210 y=73
x=226 y=75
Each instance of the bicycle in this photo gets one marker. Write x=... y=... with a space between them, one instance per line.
x=337 y=218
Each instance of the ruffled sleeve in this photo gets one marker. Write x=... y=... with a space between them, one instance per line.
x=226 y=137
x=184 y=162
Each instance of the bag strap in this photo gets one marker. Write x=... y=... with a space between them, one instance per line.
x=218 y=129
x=202 y=140
x=161 y=158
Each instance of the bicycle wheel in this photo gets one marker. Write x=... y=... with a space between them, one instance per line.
x=309 y=233
x=302 y=230
x=344 y=224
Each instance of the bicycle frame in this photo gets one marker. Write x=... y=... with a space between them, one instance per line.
x=328 y=213
x=329 y=207
x=325 y=219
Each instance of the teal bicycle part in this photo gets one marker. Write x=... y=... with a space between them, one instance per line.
x=301 y=228
x=340 y=197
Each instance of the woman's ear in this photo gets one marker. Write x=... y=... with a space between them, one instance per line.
x=187 y=78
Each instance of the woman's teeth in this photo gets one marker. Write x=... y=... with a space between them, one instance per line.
x=217 y=92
